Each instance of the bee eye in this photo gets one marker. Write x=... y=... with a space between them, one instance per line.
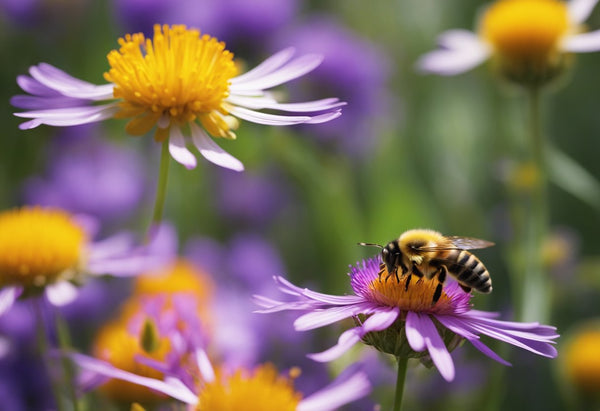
x=385 y=251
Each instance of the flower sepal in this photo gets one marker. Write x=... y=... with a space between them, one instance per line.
x=393 y=340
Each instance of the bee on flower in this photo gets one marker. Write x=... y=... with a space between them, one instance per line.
x=530 y=42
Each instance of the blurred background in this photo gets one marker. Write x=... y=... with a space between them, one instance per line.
x=409 y=151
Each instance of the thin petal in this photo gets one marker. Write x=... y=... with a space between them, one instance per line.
x=61 y=293
x=8 y=296
x=211 y=151
x=487 y=351
x=345 y=342
x=178 y=149
x=346 y=388
x=580 y=10
x=462 y=51
x=382 y=319
x=321 y=318
x=173 y=388
x=435 y=346
x=265 y=118
x=204 y=366
x=290 y=71
x=582 y=43
x=269 y=65
x=413 y=334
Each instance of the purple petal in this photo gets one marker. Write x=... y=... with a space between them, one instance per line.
x=487 y=351
x=413 y=333
x=321 y=318
x=381 y=319
x=8 y=296
x=211 y=151
x=435 y=345
x=206 y=369
x=345 y=342
x=346 y=388
x=173 y=388
x=580 y=10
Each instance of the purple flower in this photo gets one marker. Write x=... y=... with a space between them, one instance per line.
x=50 y=250
x=204 y=100
x=401 y=320
x=90 y=176
x=355 y=70
x=270 y=391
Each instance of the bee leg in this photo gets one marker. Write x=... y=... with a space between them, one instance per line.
x=381 y=270
x=416 y=271
x=408 y=278
x=465 y=288
x=442 y=273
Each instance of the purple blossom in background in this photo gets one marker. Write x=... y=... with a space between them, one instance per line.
x=250 y=198
x=354 y=69
x=240 y=268
x=91 y=176
x=237 y=22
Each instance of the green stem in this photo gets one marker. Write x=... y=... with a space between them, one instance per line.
x=535 y=293
x=161 y=189
x=44 y=347
x=400 y=379
x=64 y=341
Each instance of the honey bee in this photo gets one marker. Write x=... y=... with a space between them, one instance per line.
x=428 y=253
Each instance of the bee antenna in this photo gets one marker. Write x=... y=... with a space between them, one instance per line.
x=370 y=245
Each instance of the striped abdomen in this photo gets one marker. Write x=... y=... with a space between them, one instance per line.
x=467 y=270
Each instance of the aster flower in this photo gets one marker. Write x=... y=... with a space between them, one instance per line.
x=155 y=335
x=400 y=319
x=47 y=250
x=262 y=386
x=176 y=81
x=529 y=40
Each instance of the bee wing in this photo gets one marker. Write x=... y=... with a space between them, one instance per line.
x=459 y=243
x=469 y=243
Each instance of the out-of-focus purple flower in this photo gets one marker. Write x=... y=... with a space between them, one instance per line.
x=354 y=69
x=34 y=14
x=90 y=176
x=249 y=198
x=47 y=250
x=237 y=22
x=400 y=320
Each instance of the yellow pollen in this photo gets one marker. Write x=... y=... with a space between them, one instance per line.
x=39 y=246
x=582 y=360
x=117 y=346
x=525 y=29
x=417 y=297
x=178 y=74
x=263 y=389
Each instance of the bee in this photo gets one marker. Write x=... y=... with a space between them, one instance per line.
x=428 y=253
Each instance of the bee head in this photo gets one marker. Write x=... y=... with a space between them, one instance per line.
x=390 y=255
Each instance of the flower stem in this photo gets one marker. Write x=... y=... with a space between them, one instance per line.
x=535 y=294
x=64 y=341
x=44 y=348
x=161 y=189
x=400 y=379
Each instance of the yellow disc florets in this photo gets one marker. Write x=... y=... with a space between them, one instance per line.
x=526 y=36
x=178 y=75
x=582 y=361
x=417 y=296
x=263 y=389
x=39 y=246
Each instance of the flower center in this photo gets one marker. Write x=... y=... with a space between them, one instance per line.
x=416 y=295
x=116 y=345
x=582 y=361
x=263 y=389
x=525 y=28
x=39 y=246
x=525 y=35
x=178 y=75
